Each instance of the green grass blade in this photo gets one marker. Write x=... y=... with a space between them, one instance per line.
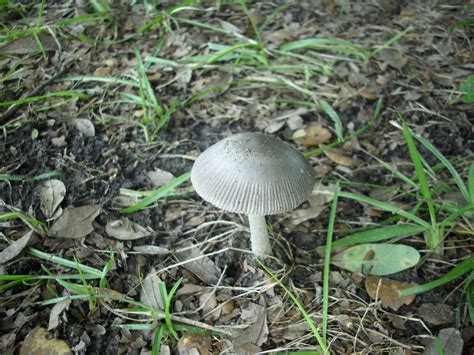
x=385 y=206
x=155 y=195
x=168 y=321
x=67 y=93
x=420 y=173
x=329 y=44
x=309 y=321
x=327 y=108
x=470 y=181
x=459 y=270
x=327 y=261
x=379 y=234
x=65 y=262
x=457 y=178
x=157 y=339
x=390 y=41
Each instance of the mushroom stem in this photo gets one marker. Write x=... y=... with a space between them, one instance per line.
x=259 y=235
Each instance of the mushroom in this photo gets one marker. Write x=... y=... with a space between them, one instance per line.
x=254 y=174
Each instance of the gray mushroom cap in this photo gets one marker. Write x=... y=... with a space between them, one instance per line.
x=253 y=173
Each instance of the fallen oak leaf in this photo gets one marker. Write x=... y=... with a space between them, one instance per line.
x=75 y=222
x=387 y=291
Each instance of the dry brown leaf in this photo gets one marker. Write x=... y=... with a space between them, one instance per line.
x=388 y=291
x=124 y=229
x=255 y=335
x=159 y=177
x=28 y=44
x=192 y=342
x=56 y=312
x=103 y=71
x=437 y=313
x=319 y=199
x=75 y=222
x=368 y=94
x=313 y=134
x=15 y=248
x=449 y=341
x=150 y=290
x=51 y=194
x=393 y=57
x=200 y=265
x=40 y=342
x=337 y=156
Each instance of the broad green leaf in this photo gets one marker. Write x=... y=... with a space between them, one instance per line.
x=379 y=234
x=377 y=259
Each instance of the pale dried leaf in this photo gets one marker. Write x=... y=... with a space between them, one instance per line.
x=28 y=44
x=194 y=344
x=51 y=194
x=318 y=200
x=159 y=177
x=251 y=338
x=150 y=290
x=40 y=342
x=75 y=222
x=56 y=312
x=201 y=266
x=393 y=57
x=437 y=313
x=15 y=248
x=124 y=229
x=314 y=134
x=387 y=291
x=338 y=157
x=450 y=341
x=85 y=126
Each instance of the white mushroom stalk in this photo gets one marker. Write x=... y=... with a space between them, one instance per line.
x=259 y=235
x=253 y=174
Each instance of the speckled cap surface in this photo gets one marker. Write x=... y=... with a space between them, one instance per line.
x=253 y=173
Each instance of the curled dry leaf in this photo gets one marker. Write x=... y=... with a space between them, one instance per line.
x=51 y=194
x=314 y=134
x=15 y=248
x=75 y=222
x=56 y=312
x=85 y=126
x=388 y=291
x=124 y=229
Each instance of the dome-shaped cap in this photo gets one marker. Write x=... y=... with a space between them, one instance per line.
x=253 y=173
